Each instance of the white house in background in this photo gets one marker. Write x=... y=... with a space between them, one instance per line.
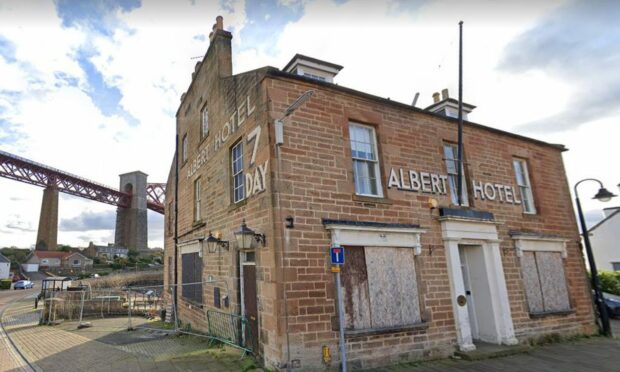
x=605 y=239
x=5 y=266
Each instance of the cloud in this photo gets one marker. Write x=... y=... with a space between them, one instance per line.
x=87 y=221
x=19 y=225
x=578 y=43
x=99 y=16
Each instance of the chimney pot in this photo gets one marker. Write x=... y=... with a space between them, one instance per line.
x=444 y=94
x=219 y=21
x=436 y=97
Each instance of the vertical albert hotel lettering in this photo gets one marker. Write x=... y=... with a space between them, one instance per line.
x=254 y=181
x=241 y=114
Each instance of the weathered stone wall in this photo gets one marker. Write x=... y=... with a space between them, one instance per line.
x=237 y=107
x=317 y=168
x=317 y=183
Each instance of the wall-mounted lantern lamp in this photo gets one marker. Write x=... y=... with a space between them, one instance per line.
x=246 y=237
x=214 y=243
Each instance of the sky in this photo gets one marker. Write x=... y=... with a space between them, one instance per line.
x=92 y=87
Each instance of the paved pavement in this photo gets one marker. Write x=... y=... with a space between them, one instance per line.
x=11 y=360
x=107 y=346
x=593 y=354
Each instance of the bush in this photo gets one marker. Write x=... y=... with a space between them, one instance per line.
x=83 y=275
x=120 y=280
x=610 y=281
x=5 y=284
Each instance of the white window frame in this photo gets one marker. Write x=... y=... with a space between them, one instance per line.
x=453 y=177
x=197 y=199
x=184 y=148
x=374 y=162
x=527 y=196
x=204 y=122
x=241 y=185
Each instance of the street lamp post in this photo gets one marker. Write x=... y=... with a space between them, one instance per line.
x=602 y=195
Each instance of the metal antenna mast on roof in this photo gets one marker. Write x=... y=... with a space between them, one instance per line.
x=459 y=188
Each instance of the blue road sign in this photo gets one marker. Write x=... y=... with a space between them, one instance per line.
x=337 y=254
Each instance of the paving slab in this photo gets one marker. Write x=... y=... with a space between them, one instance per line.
x=108 y=346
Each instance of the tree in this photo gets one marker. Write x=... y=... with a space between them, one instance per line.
x=64 y=248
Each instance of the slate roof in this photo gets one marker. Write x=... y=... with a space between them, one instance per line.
x=604 y=220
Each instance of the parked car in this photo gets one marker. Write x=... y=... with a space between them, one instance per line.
x=23 y=284
x=612 y=302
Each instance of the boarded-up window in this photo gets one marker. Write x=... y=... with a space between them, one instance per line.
x=544 y=280
x=380 y=288
x=192 y=277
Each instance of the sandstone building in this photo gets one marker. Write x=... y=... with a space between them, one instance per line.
x=422 y=277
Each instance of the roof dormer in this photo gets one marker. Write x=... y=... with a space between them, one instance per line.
x=312 y=68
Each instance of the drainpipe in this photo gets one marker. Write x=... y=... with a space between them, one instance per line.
x=176 y=220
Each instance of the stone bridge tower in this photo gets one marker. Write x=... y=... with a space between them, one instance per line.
x=131 y=223
x=47 y=234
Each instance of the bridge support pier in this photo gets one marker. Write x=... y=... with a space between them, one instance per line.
x=47 y=235
x=131 y=223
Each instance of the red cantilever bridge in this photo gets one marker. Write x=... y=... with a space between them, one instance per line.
x=134 y=198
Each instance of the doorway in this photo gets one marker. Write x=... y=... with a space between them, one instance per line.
x=477 y=282
x=478 y=293
x=249 y=305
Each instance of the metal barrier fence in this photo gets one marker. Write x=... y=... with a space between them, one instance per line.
x=101 y=303
x=146 y=302
x=230 y=329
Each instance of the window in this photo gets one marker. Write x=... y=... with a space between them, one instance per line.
x=197 y=215
x=523 y=181
x=365 y=161
x=450 y=152
x=615 y=266
x=184 y=148
x=238 y=179
x=76 y=262
x=544 y=281
x=313 y=76
x=191 y=276
x=380 y=288
x=204 y=122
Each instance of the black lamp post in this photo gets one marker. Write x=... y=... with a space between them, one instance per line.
x=602 y=195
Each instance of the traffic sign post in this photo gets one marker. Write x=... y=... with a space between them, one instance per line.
x=337 y=257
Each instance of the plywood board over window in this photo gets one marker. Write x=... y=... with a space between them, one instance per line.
x=355 y=289
x=380 y=288
x=544 y=281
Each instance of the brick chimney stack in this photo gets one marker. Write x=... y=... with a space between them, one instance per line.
x=435 y=97
x=220 y=48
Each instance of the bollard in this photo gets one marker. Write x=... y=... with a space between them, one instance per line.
x=129 y=326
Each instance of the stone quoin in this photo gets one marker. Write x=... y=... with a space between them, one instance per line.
x=422 y=276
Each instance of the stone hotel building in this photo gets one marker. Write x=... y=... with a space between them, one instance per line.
x=422 y=278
